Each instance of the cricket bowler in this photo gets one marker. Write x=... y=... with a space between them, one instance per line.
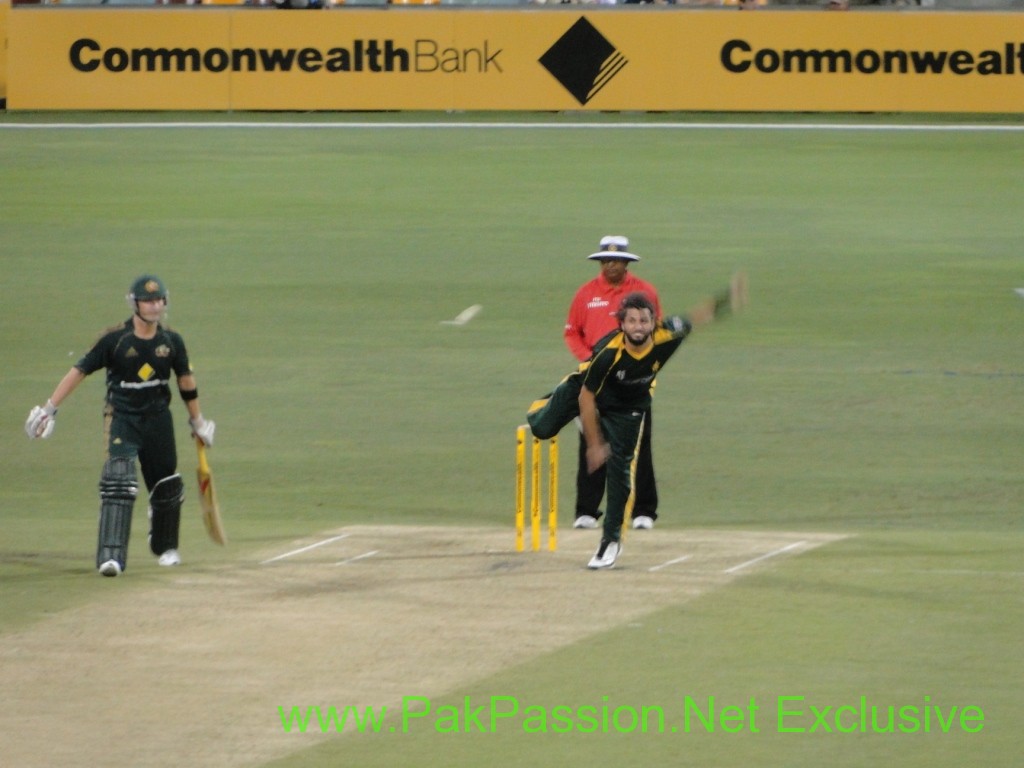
x=610 y=393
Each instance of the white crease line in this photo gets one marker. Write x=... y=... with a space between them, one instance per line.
x=786 y=548
x=358 y=557
x=670 y=562
x=305 y=549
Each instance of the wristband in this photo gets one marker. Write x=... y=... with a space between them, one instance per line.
x=189 y=394
x=678 y=325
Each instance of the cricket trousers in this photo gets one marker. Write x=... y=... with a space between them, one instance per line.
x=590 y=487
x=149 y=439
x=549 y=415
x=622 y=430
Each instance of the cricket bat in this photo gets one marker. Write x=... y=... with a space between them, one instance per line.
x=208 y=498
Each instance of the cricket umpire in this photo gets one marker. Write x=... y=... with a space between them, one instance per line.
x=592 y=316
x=140 y=356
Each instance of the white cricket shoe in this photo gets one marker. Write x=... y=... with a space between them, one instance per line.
x=643 y=523
x=605 y=555
x=169 y=558
x=585 y=521
x=110 y=568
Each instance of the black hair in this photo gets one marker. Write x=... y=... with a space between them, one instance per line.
x=635 y=300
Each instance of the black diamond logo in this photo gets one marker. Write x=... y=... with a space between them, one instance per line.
x=583 y=61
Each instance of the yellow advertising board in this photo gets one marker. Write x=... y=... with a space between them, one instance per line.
x=406 y=58
x=5 y=6
x=67 y=58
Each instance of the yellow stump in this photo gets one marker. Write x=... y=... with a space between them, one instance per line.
x=553 y=494
x=535 y=495
x=520 y=487
x=536 y=491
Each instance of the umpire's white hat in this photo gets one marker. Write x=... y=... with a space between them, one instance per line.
x=614 y=247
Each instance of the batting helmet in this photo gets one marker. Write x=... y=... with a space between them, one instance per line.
x=147 y=288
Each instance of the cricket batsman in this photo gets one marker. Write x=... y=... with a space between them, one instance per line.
x=140 y=357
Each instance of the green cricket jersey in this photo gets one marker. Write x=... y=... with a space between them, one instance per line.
x=622 y=382
x=138 y=370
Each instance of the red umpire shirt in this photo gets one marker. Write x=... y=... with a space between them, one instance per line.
x=592 y=312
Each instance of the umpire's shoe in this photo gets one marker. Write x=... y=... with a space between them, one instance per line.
x=110 y=568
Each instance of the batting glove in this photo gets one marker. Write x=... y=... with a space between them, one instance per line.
x=203 y=429
x=41 y=421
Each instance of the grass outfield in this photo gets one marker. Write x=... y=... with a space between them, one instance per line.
x=873 y=390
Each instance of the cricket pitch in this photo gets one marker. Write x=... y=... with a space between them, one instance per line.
x=361 y=616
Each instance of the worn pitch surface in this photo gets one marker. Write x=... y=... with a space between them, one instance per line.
x=362 y=616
